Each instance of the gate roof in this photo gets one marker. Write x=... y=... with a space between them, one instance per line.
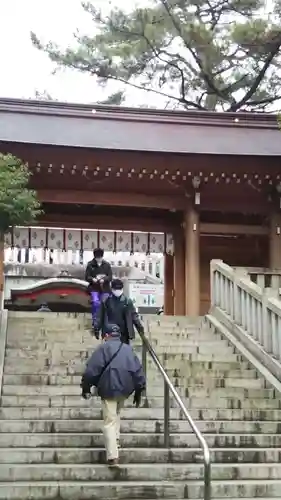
x=131 y=129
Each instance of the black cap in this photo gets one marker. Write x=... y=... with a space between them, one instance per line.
x=117 y=284
x=112 y=330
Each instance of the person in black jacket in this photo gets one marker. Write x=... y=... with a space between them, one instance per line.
x=119 y=310
x=116 y=372
x=99 y=275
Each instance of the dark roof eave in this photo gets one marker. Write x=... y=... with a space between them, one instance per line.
x=206 y=118
x=129 y=129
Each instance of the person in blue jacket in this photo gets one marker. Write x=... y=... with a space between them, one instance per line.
x=116 y=372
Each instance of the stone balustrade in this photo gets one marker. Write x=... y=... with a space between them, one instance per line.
x=263 y=277
x=246 y=307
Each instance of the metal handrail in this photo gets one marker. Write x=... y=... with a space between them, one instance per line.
x=169 y=387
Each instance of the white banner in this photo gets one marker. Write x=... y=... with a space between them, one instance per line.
x=90 y=240
x=71 y=239
x=38 y=237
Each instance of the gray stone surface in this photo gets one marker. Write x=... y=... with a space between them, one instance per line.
x=136 y=490
x=51 y=444
x=3 y=338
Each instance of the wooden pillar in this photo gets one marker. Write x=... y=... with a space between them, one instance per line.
x=168 y=284
x=275 y=241
x=179 y=273
x=192 y=263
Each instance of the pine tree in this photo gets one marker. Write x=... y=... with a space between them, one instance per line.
x=199 y=54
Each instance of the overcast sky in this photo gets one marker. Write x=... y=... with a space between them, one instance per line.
x=24 y=69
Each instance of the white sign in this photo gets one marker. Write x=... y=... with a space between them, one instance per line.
x=146 y=295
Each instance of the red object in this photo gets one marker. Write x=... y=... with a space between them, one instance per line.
x=53 y=291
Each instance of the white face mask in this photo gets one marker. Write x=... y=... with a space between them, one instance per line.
x=117 y=293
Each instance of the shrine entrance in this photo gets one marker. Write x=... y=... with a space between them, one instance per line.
x=46 y=259
x=192 y=186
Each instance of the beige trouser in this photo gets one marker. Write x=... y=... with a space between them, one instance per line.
x=111 y=425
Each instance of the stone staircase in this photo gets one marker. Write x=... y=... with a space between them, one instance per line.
x=51 y=444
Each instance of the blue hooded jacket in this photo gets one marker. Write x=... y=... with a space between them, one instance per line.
x=123 y=375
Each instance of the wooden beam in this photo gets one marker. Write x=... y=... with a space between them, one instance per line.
x=105 y=222
x=112 y=199
x=234 y=229
x=233 y=204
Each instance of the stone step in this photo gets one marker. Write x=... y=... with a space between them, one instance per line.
x=200 y=362
x=90 y=343
x=57 y=413
x=154 y=378
x=153 y=402
x=177 y=320
x=39 y=328
x=76 y=368
x=66 y=353
x=136 y=472
x=59 y=336
x=152 y=319
x=183 y=440
x=87 y=323
x=195 y=371
x=156 y=390
x=53 y=322
x=50 y=325
x=166 y=341
x=72 y=315
x=138 y=455
x=132 y=490
x=177 y=333
x=169 y=325
x=63 y=365
x=140 y=426
x=70 y=401
x=231 y=392
x=204 y=358
x=49 y=322
x=56 y=318
x=208 y=382
x=67 y=375
x=150 y=328
x=51 y=335
x=152 y=390
x=60 y=319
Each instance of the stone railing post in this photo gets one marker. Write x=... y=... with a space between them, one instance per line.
x=214 y=282
x=256 y=311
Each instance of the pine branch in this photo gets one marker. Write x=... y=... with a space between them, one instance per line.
x=258 y=80
x=158 y=54
x=208 y=80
